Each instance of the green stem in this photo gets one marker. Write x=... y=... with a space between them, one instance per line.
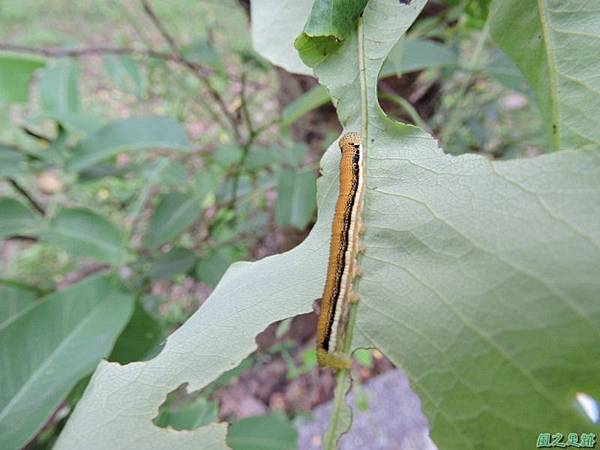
x=340 y=419
x=408 y=108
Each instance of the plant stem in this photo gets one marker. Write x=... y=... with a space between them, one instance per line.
x=408 y=108
x=21 y=190
x=340 y=420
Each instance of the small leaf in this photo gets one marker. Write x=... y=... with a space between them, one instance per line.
x=46 y=350
x=227 y=155
x=125 y=72
x=138 y=133
x=15 y=76
x=204 y=52
x=262 y=432
x=296 y=198
x=85 y=233
x=211 y=268
x=139 y=339
x=177 y=261
x=329 y=23
x=205 y=184
x=11 y=162
x=189 y=416
x=16 y=218
x=175 y=212
x=411 y=55
x=58 y=88
x=308 y=101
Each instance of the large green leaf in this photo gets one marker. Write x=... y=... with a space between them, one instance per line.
x=47 y=348
x=14 y=301
x=139 y=133
x=59 y=88
x=555 y=44
x=16 y=218
x=15 y=76
x=480 y=277
x=174 y=213
x=85 y=233
x=480 y=280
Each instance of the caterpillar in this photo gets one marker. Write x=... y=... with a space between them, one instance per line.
x=344 y=246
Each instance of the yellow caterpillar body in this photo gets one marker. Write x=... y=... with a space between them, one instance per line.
x=341 y=270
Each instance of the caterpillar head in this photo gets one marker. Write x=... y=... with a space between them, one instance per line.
x=353 y=139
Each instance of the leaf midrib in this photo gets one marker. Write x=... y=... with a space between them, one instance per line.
x=552 y=78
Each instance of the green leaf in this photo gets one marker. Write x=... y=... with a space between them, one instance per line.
x=211 y=268
x=58 y=88
x=204 y=52
x=11 y=162
x=227 y=155
x=308 y=101
x=296 y=198
x=189 y=416
x=140 y=338
x=133 y=134
x=49 y=347
x=411 y=55
x=505 y=72
x=15 y=76
x=205 y=184
x=16 y=218
x=174 y=213
x=329 y=23
x=84 y=233
x=176 y=261
x=560 y=38
x=125 y=73
x=14 y=301
x=262 y=433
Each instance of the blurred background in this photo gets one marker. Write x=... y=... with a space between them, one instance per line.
x=156 y=125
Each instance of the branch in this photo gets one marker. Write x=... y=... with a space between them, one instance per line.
x=21 y=190
x=203 y=77
x=160 y=27
x=87 y=51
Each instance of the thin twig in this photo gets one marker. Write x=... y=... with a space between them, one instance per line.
x=34 y=134
x=87 y=51
x=244 y=105
x=15 y=184
x=194 y=68
x=160 y=27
